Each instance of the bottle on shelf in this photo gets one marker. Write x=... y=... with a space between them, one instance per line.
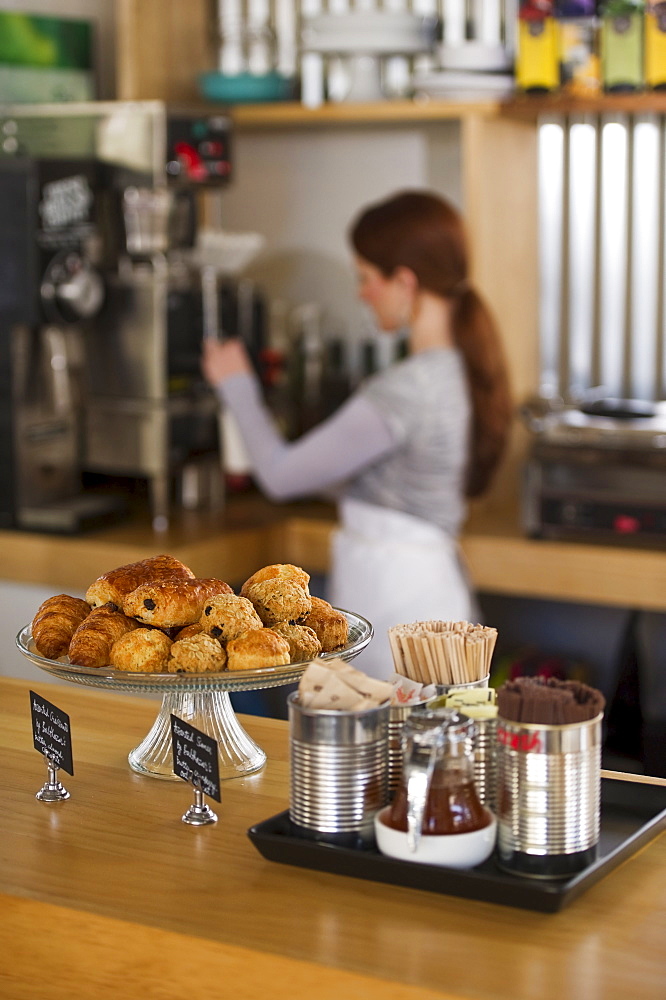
x=578 y=42
x=655 y=45
x=537 y=57
x=622 y=45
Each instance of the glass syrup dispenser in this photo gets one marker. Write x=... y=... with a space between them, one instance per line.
x=437 y=795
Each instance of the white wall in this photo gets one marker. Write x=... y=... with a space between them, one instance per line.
x=100 y=12
x=302 y=187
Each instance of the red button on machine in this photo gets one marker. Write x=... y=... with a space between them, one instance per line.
x=625 y=524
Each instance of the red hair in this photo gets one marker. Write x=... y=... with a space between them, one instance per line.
x=421 y=231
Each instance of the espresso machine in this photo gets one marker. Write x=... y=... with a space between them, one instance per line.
x=117 y=309
x=50 y=290
x=596 y=471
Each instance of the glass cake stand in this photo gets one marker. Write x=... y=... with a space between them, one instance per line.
x=200 y=699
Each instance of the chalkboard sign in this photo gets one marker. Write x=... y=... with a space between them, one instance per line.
x=195 y=757
x=51 y=732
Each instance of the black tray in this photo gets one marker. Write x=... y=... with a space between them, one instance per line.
x=632 y=813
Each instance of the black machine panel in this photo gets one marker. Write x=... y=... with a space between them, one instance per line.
x=198 y=148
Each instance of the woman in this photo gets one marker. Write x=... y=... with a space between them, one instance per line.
x=413 y=442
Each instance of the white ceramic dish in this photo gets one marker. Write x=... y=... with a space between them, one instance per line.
x=456 y=850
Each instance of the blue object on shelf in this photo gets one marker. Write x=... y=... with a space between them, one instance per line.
x=246 y=88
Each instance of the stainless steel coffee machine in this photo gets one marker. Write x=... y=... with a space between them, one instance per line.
x=50 y=291
x=127 y=292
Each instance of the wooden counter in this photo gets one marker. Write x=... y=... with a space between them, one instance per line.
x=110 y=894
x=252 y=532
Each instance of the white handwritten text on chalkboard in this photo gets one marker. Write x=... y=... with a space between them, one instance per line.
x=195 y=757
x=51 y=732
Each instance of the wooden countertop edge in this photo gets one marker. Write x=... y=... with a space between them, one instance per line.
x=82 y=954
x=500 y=560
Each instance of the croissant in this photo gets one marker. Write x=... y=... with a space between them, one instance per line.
x=55 y=623
x=91 y=643
x=113 y=587
x=172 y=602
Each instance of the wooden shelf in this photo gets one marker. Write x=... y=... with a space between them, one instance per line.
x=528 y=107
x=525 y=108
x=293 y=114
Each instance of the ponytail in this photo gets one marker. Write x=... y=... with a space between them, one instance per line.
x=421 y=231
x=477 y=338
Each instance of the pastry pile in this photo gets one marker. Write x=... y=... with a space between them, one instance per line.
x=156 y=616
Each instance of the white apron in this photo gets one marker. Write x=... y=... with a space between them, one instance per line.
x=394 y=568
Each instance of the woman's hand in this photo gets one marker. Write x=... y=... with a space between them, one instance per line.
x=222 y=359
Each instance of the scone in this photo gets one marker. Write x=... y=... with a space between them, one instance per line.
x=186 y=631
x=91 y=643
x=145 y=650
x=227 y=616
x=303 y=642
x=261 y=647
x=113 y=587
x=279 y=600
x=55 y=622
x=329 y=625
x=282 y=571
x=198 y=654
x=169 y=603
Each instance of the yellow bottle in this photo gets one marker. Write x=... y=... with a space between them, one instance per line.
x=537 y=66
x=655 y=46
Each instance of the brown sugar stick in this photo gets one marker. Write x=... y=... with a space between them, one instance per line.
x=483 y=669
x=401 y=661
x=491 y=639
x=421 y=644
x=449 y=676
x=458 y=661
x=451 y=667
x=478 y=648
x=396 y=652
x=443 y=668
x=420 y=652
x=430 y=659
x=440 y=659
x=412 y=669
x=470 y=657
x=416 y=654
x=467 y=656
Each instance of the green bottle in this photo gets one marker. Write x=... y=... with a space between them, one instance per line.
x=622 y=45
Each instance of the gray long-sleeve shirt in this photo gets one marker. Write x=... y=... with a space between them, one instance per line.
x=400 y=441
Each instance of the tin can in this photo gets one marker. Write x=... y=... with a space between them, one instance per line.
x=548 y=795
x=446 y=689
x=398 y=714
x=484 y=758
x=338 y=771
